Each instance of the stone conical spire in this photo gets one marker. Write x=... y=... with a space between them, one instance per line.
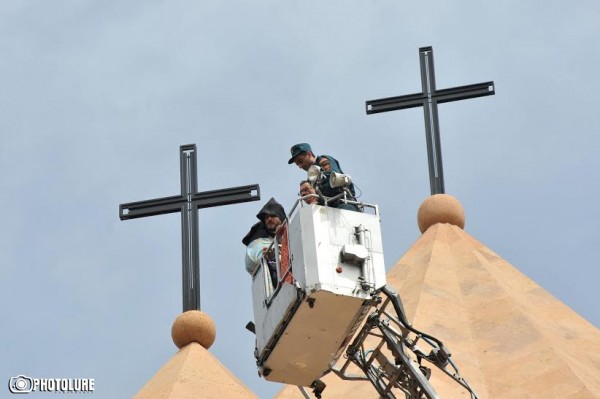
x=510 y=338
x=194 y=372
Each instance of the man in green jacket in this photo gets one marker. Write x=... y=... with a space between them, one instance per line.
x=304 y=158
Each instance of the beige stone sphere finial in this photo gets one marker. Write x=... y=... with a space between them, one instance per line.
x=193 y=326
x=440 y=208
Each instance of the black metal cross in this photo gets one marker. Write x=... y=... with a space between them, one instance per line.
x=429 y=98
x=188 y=203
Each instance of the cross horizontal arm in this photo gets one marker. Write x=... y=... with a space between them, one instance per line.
x=158 y=206
x=465 y=92
x=226 y=196
x=441 y=96
x=206 y=199
x=395 y=103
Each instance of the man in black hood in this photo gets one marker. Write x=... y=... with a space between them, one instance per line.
x=261 y=235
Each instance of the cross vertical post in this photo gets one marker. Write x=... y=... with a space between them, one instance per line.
x=429 y=98
x=432 y=124
x=188 y=203
x=190 y=248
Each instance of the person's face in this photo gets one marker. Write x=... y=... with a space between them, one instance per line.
x=305 y=160
x=307 y=189
x=272 y=222
x=325 y=165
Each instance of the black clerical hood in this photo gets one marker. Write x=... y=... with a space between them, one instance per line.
x=272 y=208
x=259 y=229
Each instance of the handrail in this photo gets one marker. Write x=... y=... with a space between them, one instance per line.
x=329 y=199
x=273 y=248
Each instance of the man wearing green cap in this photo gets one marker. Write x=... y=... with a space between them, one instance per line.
x=304 y=158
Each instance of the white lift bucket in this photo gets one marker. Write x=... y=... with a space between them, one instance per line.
x=329 y=264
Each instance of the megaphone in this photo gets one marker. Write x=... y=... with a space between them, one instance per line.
x=339 y=180
x=314 y=173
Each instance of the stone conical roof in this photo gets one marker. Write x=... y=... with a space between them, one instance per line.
x=509 y=337
x=194 y=372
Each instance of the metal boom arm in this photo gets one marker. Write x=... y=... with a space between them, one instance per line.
x=398 y=342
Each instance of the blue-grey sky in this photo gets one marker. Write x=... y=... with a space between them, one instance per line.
x=97 y=96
